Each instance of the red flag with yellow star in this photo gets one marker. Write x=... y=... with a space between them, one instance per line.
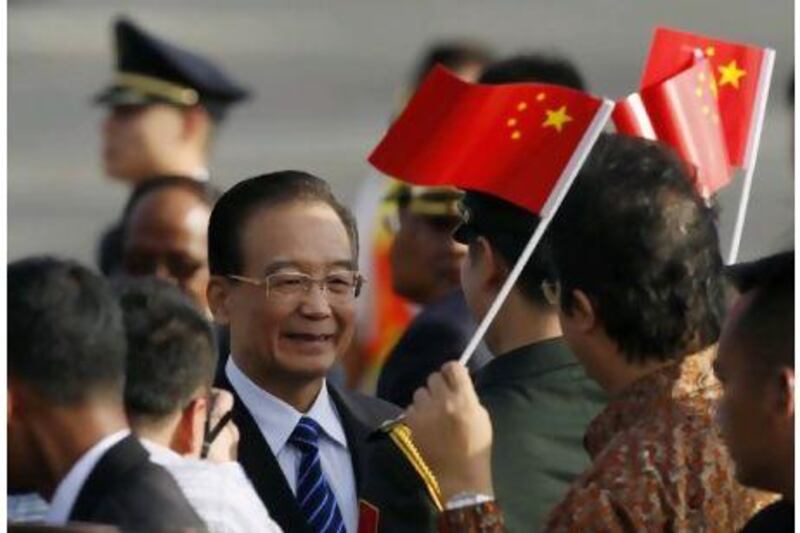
x=739 y=72
x=683 y=113
x=512 y=141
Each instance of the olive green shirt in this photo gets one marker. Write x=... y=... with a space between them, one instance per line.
x=540 y=402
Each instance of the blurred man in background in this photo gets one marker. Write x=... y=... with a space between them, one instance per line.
x=383 y=315
x=165 y=104
x=755 y=364
x=68 y=436
x=165 y=234
x=426 y=265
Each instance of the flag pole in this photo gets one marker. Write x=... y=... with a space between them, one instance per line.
x=548 y=211
x=765 y=79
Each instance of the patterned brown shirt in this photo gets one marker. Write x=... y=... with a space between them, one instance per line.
x=659 y=463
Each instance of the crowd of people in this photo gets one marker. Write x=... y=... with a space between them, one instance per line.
x=204 y=375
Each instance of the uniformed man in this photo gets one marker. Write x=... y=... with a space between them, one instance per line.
x=164 y=104
x=426 y=265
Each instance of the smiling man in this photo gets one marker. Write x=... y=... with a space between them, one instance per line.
x=283 y=254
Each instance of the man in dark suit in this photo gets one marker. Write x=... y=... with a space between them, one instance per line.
x=283 y=255
x=165 y=104
x=426 y=263
x=68 y=437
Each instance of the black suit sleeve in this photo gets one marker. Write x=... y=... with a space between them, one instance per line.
x=421 y=351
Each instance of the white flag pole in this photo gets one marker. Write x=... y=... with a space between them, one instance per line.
x=764 y=81
x=548 y=211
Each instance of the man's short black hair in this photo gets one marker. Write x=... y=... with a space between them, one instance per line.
x=766 y=325
x=65 y=332
x=171 y=350
x=508 y=228
x=234 y=208
x=453 y=54
x=535 y=68
x=635 y=236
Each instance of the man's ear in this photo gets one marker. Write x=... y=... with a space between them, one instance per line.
x=188 y=437
x=218 y=294
x=492 y=271
x=582 y=314
x=786 y=397
x=196 y=122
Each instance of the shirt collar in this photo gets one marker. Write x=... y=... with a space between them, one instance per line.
x=70 y=486
x=277 y=419
x=690 y=378
x=160 y=453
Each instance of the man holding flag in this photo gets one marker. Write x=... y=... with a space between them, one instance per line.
x=644 y=325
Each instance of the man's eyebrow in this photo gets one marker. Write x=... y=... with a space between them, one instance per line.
x=275 y=266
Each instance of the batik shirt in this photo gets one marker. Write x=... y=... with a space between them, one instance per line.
x=658 y=461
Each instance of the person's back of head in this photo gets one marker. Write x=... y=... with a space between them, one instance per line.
x=755 y=364
x=638 y=242
x=66 y=366
x=66 y=338
x=534 y=68
x=462 y=56
x=507 y=228
x=171 y=356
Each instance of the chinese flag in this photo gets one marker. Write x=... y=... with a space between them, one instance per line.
x=738 y=72
x=682 y=112
x=511 y=141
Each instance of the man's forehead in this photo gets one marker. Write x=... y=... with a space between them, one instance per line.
x=311 y=235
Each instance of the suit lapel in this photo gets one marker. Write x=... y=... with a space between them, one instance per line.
x=112 y=466
x=360 y=425
x=261 y=466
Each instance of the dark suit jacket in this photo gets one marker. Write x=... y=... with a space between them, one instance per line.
x=384 y=478
x=125 y=489
x=439 y=333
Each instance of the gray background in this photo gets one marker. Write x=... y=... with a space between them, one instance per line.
x=327 y=75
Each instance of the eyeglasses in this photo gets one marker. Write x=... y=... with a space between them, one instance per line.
x=338 y=288
x=552 y=292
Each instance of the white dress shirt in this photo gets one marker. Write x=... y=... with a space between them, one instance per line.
x=276 y=420
x=70 y=486
x=219 y=492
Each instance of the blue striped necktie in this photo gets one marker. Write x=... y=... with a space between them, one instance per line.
x=314 y=496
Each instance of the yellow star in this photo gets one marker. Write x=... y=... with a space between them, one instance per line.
x=557 y=118
x=730 y=74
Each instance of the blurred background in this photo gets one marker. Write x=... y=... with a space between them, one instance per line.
x=328 y=75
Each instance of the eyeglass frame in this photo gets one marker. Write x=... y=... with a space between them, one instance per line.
x=264 y=282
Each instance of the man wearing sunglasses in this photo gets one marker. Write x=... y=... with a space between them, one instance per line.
x=283 y=254
x=426 y=264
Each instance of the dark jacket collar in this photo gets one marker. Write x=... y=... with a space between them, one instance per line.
x=527 y=361
x=115 y=464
